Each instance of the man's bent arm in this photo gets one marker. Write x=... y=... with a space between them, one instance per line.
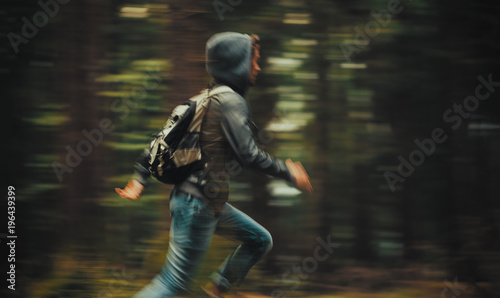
x=235 y=124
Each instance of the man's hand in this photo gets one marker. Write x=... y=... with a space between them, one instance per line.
x=132 y=191
x=299 y=175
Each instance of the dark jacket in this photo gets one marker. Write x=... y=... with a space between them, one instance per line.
x=226 y=137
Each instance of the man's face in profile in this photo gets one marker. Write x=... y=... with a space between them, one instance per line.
x=254 y=66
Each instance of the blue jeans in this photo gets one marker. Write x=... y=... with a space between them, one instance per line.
x=193 y=223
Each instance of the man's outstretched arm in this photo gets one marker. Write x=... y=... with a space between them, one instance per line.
x=136 y=184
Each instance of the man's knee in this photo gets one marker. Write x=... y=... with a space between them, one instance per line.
x=265 y=242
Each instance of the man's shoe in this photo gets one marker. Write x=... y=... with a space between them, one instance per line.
x=212 y=290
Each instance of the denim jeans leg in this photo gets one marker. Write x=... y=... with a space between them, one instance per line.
x=255 y=240
x=193 y=223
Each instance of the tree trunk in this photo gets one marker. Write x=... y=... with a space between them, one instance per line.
x=187 y=49
x=82 y=45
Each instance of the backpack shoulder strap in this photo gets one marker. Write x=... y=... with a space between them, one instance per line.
x=202 y=101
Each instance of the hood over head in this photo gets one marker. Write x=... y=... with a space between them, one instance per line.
x=228 y=57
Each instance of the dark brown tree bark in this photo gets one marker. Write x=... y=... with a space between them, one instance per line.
x=190 y=31
x=81 y=43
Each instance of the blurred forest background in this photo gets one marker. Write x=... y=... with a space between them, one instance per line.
x=346 y=88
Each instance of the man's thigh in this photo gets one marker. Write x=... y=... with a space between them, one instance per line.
x=235 y=224
x=193 y=221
